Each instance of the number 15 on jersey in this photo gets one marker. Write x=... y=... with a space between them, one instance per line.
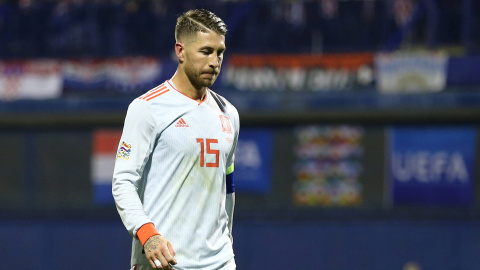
x=209 y=151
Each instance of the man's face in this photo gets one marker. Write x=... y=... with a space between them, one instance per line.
x=203 y=58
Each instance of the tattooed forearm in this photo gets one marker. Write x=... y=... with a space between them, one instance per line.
x=152 y=244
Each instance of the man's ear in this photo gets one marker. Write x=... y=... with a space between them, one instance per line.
x=180 y=51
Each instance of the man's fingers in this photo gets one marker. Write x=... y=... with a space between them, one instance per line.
x=172 y=251
x=167 y=255
x=160 y=263
x=160 y=253
x=157 y=263
x=153 y=263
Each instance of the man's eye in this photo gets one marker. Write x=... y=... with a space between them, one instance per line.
x=204 y=52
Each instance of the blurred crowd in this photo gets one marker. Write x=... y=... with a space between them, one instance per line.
x=94 y=28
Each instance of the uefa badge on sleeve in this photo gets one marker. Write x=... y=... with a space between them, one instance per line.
x=124 y=151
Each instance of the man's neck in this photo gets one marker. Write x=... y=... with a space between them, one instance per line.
x=183 y=84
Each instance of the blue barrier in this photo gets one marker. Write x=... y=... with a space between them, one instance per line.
x=373 y=245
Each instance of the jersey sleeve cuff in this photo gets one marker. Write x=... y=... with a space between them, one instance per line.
x=145 y=232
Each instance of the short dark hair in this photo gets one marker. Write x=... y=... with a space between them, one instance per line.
x=196 y=20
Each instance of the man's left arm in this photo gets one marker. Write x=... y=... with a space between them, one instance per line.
x=230 y=198
x=230 y=183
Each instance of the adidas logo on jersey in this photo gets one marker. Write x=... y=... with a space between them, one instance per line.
x=181 y=123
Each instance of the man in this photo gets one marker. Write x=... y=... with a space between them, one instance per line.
x=173 y=178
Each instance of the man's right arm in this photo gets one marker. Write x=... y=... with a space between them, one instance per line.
x=135 y=147
x=133 y=152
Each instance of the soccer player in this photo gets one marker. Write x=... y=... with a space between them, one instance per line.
x=173 y=177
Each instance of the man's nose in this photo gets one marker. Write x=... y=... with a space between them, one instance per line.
x=214 y=61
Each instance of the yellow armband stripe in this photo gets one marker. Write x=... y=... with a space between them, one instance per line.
x=230 y=169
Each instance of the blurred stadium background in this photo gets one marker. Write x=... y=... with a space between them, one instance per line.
x=359 y=139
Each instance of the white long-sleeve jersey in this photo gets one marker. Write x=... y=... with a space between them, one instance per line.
x=171 y=167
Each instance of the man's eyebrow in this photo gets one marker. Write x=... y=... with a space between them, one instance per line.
x=211 y=48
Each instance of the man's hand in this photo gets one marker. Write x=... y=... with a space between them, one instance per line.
x=157 y=248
